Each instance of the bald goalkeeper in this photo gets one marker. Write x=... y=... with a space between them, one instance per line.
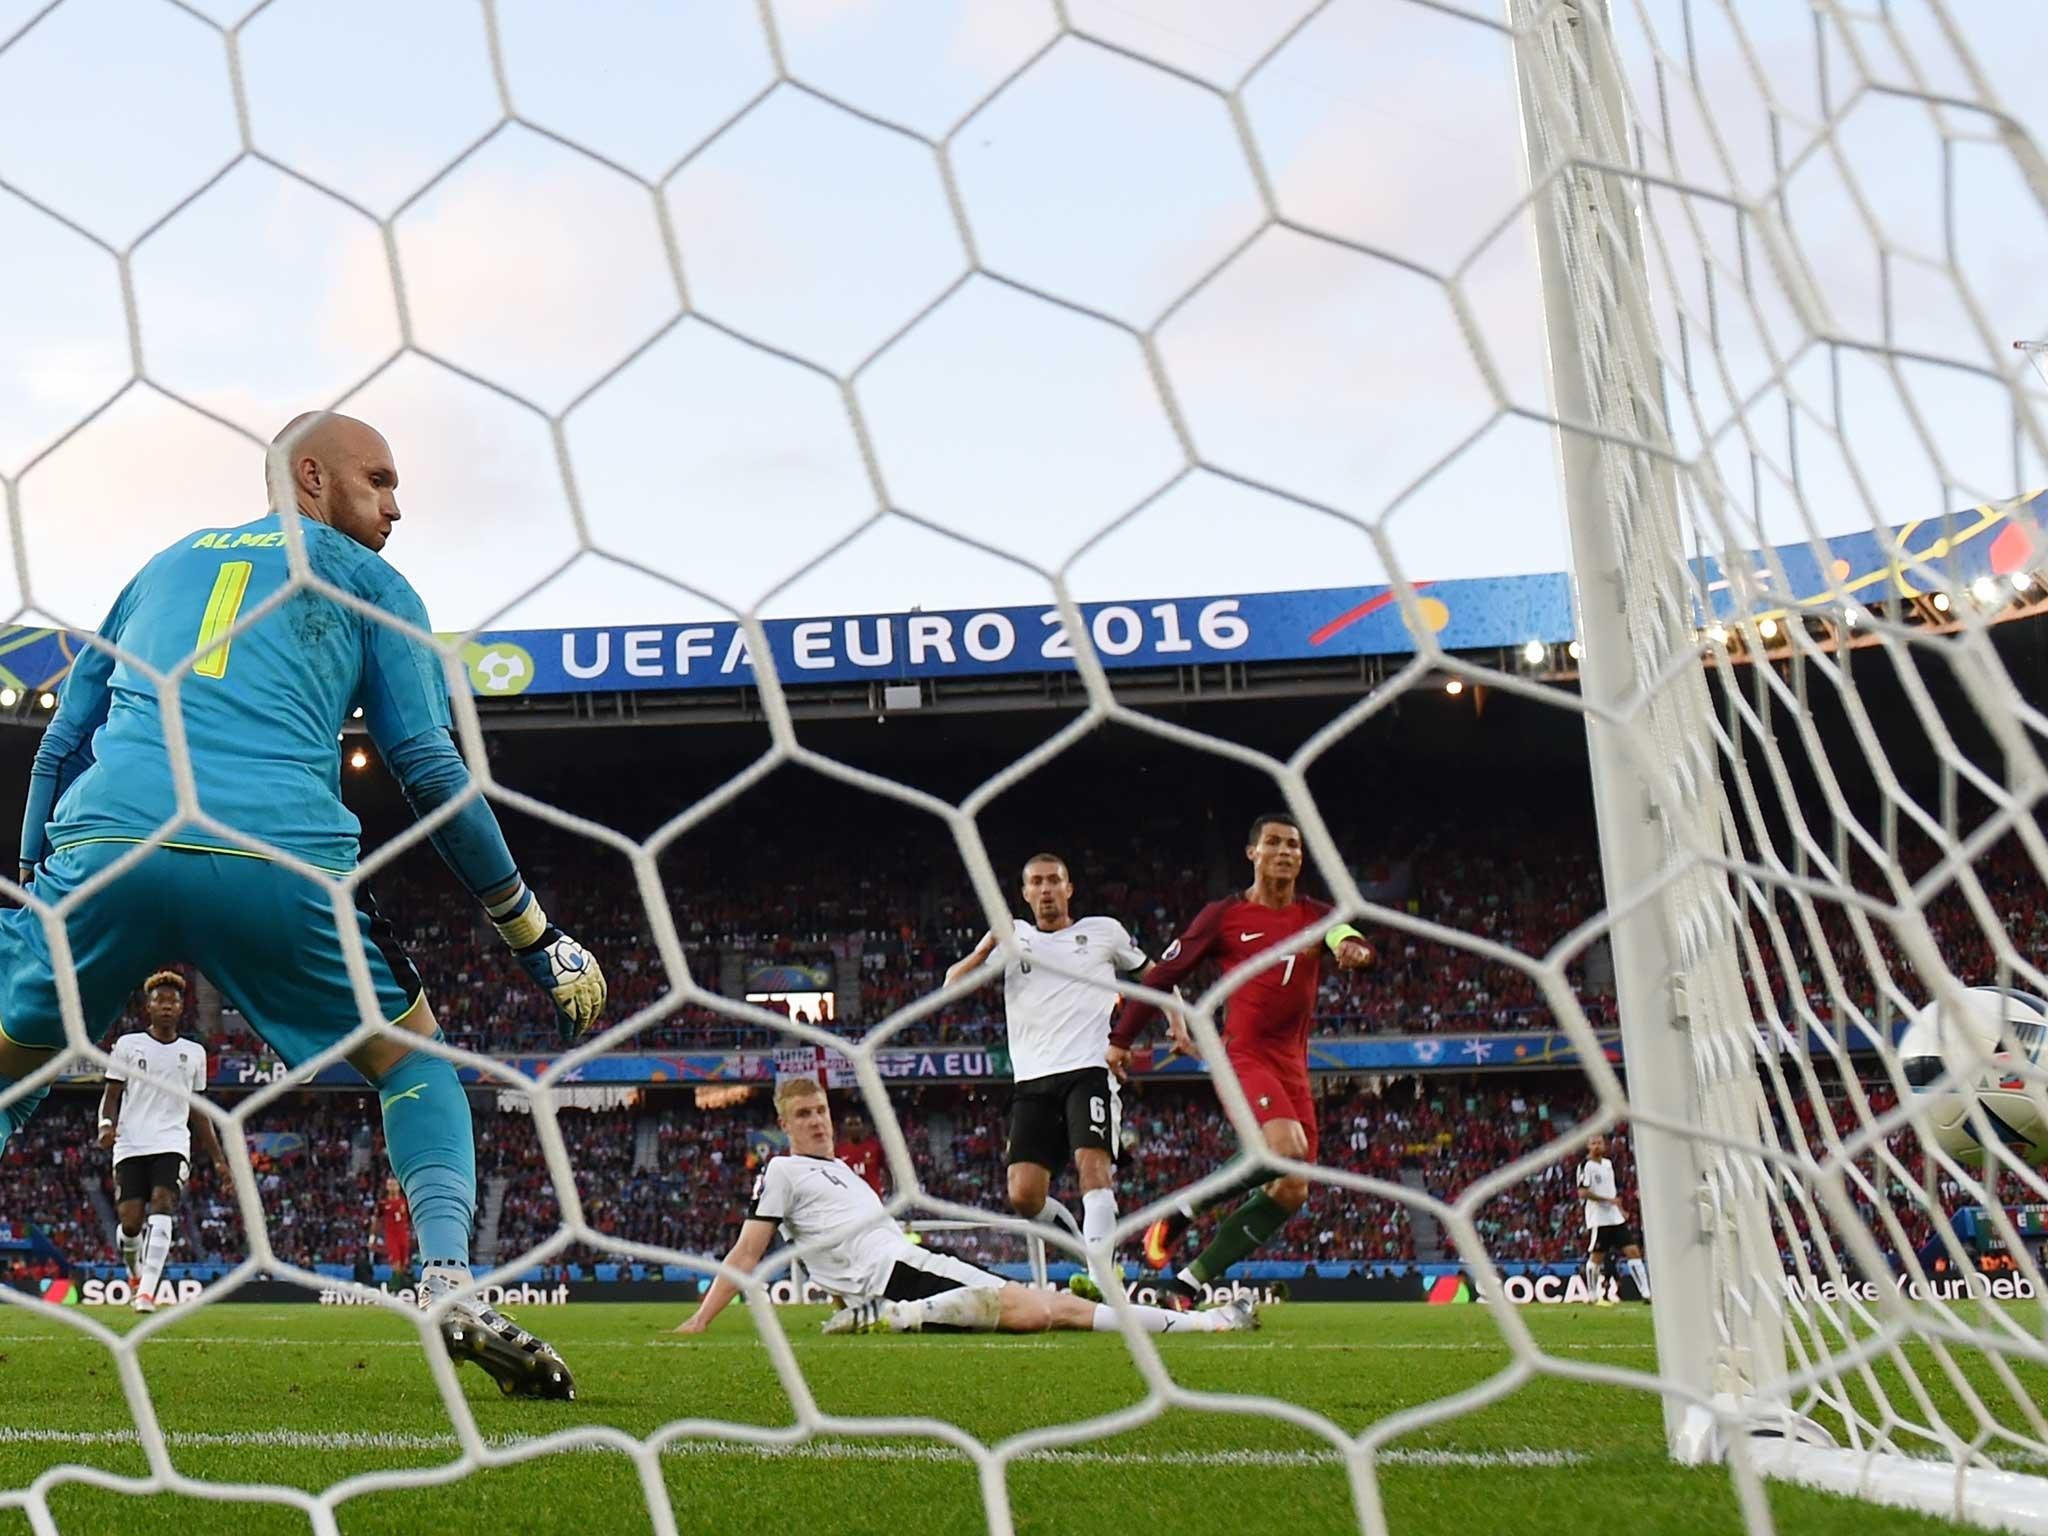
x=262 y=710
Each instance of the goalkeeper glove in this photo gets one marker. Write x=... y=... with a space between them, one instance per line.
x=569 y=974
x=559 y=966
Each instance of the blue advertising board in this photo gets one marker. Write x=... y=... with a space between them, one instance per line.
x=988 y=642
x=1477 y=613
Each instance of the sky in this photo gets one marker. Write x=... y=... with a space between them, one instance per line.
x=855 y=412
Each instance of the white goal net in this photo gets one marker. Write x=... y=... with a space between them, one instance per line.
x=764 y=309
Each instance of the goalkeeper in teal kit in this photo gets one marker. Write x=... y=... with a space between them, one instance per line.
x=262 y=709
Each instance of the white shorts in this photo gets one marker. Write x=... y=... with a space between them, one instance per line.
x=919 y=1272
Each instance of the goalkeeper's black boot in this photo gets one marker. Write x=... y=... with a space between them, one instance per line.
x=521 y=1365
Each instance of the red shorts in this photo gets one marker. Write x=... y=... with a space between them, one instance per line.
x=1278 y=1090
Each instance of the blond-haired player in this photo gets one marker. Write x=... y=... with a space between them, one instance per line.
x=890 y=1284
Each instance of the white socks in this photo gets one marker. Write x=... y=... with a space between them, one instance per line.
x=971 y=1309
x=129 y=1246
x=1640 y=1273
x=1098 y=1215
x=1054 y=1214
x=156 y=1248
x=1159 y=1320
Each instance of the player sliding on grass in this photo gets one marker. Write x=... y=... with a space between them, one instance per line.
x=1065 y=1101
x=890 y=1284
x=261 y=711
x=1265 y=1037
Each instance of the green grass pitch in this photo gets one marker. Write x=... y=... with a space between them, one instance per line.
x=308 y=1396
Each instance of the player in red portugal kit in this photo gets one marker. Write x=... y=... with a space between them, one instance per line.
x=1265 y=1036
x=394 y=1217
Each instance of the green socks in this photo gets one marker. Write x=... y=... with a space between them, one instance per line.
x=1242 y=1230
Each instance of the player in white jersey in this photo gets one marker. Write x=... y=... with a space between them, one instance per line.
x=1065 y=1104
x=1608 y=1233
x=890 y=1284
x=149 y=1130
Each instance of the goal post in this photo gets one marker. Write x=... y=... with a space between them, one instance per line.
x=1742 y=1366
x=1627 y=619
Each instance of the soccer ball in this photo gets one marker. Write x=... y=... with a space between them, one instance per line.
x=500 y=671
x=1981 y=1046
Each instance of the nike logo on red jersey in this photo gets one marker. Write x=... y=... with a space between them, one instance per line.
x=1246 y=938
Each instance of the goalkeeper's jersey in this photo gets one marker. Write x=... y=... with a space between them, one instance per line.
x=262 y=708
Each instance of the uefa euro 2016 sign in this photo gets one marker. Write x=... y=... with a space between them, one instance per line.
x=873 y=646
x=1272 y=626
x=1467 y=614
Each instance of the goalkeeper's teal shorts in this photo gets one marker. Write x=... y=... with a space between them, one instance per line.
x=264 y=935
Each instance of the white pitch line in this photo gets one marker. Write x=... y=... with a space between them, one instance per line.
x=811 y=1450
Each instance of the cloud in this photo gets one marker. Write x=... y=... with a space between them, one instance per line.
x=536 y=267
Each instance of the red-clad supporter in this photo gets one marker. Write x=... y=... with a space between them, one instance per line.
x=861 y=1150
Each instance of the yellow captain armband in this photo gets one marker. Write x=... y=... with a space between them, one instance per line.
x=1337 y=935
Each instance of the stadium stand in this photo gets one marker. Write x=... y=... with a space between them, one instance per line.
x=319 y=1190
x=869 y=893
x=46 y=1172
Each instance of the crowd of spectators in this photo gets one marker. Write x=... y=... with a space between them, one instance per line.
x=667 y=1174
x=695 y=1196
x=319 y=1167
x=882 y=941
x=1828 y=959
x=619 y=1200
x=691 y=1193
x=43 y=1172
x=671 y=1176
x=1436 y=1135
x=1887 y=1177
